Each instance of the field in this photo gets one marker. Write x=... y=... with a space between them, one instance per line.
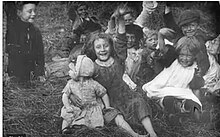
x=36 y=111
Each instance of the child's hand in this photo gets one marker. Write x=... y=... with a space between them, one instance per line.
x=133 y=86
x=42 y=78
x=120 y=12
x=69 y=109
x=76 y=100
x=167 y=33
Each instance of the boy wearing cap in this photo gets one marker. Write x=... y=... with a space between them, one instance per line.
x=188 y=24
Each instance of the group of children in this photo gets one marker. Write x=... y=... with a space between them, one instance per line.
x=115 y=72
x=165 y=66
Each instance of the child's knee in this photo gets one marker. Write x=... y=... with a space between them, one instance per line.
x=119 y=119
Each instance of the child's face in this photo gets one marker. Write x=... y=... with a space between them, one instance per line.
x=213 y=46
x=128 y=19
x=82 y=11
x=186 y=58
x=65 y=53
x=130 y=40
x=83 y=38
x=190 y=29
x=27 y=14
x=102 y=49
x=151 y=42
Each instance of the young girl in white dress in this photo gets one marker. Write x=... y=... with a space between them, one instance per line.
x=174 y=84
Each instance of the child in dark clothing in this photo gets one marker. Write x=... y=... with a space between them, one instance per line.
x=155 y=57
x=24 y=44
x=134 y=35
x=146 y=71
x=83 y=23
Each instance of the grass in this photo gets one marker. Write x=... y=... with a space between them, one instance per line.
x=36 y=112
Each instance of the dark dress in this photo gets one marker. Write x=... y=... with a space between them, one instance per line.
x=130 y=103
x=25 y=48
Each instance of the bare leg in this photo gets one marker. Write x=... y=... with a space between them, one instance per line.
x=119 y=120
x=148 y=126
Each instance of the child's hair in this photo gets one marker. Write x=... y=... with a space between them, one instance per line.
x=19 y=4
x=190 y=43
x=136 y=30
x=149 y=33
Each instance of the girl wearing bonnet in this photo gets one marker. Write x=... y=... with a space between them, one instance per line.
x=173 y=87
x=89 y=111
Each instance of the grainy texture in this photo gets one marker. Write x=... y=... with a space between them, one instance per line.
x=36 y=111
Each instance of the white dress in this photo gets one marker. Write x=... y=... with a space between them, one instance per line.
x=91 y=112
x=172 y=81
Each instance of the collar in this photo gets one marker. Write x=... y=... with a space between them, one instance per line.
x=107 y=63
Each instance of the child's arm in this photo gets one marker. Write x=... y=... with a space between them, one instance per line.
x=143 y=18
x=75 y=100
x=105 y=100
x=165 y=33
x=120 y=39
x=129 y=81
x=101 y=92
x=65 y=100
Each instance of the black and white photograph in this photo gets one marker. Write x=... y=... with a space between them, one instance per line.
x=110 y=68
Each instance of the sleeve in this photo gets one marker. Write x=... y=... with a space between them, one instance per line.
x=142 y=18
x=121 y=47
x=170 y=22
x=203 y=62
x=10 y=37
x=197 y=82
x=67 y=89
x=39 y=69
x=99 y=89
x=202 y=57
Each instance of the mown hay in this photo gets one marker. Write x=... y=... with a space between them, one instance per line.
x=36 y=112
